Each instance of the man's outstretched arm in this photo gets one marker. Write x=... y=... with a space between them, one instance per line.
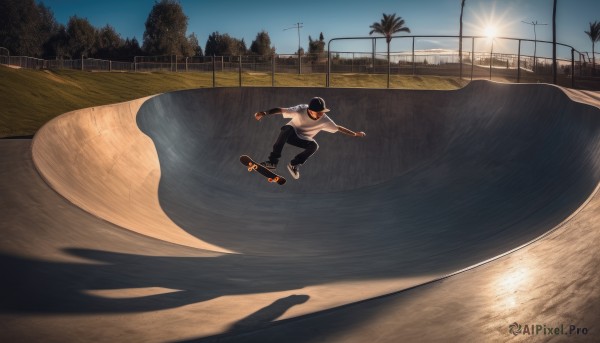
x=276 y=110
x=350 y=132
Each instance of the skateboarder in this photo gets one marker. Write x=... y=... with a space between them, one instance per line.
x=307 y=121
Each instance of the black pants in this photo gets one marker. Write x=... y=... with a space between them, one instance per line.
x=288 y=135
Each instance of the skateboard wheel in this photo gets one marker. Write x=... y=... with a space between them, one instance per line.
x=276 y=179
x=271 y=180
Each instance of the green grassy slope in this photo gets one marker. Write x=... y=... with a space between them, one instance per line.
x=30 y=98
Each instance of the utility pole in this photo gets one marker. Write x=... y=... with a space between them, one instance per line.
x=534 y=24
x=297 y=26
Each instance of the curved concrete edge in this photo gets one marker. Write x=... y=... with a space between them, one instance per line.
x=585 y=97
x=99 y=160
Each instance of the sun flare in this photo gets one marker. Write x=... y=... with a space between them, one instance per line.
x=490 y=31
x=485 y=20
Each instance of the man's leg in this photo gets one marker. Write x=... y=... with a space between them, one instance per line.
x=286 y=132
x=310 y=147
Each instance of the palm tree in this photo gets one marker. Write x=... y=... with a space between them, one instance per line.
x=387 y=27
x=594 y=34
x=554 y=65
x=460 y=35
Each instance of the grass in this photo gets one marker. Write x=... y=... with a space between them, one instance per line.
x=30 y=98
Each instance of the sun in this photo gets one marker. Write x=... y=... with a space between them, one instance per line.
x=490 y=31
x=486 y=20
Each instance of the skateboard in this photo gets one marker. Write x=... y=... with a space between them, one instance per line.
x=254 y=166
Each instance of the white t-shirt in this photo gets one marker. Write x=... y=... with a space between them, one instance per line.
x=306 y=127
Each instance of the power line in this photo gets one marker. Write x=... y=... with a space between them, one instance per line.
x=296 y=26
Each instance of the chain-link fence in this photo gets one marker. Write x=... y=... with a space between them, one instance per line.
x=308 y=63
x=500 y=58
x=503 y=59
x=90 y=64
x=23 y=62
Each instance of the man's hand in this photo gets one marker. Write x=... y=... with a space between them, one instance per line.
x=259 y=115
x=350 y=132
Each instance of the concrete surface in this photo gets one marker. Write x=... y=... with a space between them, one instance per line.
x=136 y=222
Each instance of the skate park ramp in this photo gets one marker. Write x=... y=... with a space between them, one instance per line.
x=444 y=180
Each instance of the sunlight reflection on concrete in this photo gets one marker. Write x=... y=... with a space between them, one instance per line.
x=510 y=288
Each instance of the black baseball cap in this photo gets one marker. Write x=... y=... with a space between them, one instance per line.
x=318 y=105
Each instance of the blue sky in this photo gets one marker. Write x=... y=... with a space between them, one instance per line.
x=244 y=19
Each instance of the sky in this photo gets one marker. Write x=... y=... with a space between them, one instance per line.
x=350 y=18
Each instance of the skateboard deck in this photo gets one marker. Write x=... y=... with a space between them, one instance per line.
x=254 y=166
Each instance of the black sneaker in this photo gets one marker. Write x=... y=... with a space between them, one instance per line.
x=269 y=165
x=294 y=170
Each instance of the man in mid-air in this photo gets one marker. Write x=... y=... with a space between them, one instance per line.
x=307 y=121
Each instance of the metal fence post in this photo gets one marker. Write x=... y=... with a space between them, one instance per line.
x=491 y=57
x=472 y=56
x=328 y=78
x=572 y=68
x=413 y=56
x=240 y=70
x=389 y=66
x=273 y=72
x=7 y=55
x=519 y=63
x=214 y=62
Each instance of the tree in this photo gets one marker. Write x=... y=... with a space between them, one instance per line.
x=46 y=28
x=108 y=43
x=242 y=49
x=460 y=37
x=224 y=45
x=57 y=45
x=215 y=44
x=316 y=46
x=81 y=37
x=389 y=25
x=594 y=34
x=130 y=49
x=25 y=26
x=194 y=45
x=166 y=27
x=262 y=45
